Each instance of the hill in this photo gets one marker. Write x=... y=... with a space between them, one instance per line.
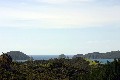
x=97 y=55
x=17 y=55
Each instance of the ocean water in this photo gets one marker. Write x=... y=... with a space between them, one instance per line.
x=47 y=57
x=103 y=60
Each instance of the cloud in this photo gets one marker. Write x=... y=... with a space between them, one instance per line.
x=52 y=1
x=62 y=1
x=59 y=17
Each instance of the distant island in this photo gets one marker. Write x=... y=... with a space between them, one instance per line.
x=97 y=55
x=17 y=55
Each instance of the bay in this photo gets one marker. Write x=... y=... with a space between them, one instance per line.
x=47 y=57
x=103 y=61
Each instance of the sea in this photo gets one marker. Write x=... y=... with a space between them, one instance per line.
x=47 y=57
x=103 y=61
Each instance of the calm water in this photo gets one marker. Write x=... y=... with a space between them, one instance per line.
x=47 y=57
x=104 y=60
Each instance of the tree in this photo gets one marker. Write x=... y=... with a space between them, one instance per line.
x=5 y=58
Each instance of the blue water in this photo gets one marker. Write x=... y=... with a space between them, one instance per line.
x=47 y=57
x=103 y=60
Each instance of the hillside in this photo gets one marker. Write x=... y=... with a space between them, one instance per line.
x=17 y=55
x=97 y=55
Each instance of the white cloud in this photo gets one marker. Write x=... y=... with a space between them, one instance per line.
x=62 y=1
x=52 y=1
x=56 y=18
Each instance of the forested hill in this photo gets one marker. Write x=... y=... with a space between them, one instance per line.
x=97 y=55
x=17 y=55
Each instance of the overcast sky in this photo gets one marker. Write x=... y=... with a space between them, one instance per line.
x=52 y=27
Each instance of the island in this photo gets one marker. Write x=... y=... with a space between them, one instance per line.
x=17 y=55
x=97 y=55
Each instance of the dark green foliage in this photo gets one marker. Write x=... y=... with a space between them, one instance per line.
x=60 y=69
x=5 y=61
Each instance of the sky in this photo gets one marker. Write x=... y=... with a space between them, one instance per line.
x=53 y=27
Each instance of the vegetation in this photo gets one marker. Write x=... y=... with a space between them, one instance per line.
x=58 y=69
